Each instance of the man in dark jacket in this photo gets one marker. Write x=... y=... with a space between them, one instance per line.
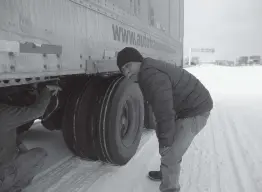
x=181 y=105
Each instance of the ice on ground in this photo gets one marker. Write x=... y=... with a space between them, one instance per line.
x=224 y=157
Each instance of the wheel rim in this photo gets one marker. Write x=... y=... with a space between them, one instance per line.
x=127 y=125
x=124 y=121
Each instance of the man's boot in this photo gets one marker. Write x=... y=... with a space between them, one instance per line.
x=19 y=173
x=155 y=175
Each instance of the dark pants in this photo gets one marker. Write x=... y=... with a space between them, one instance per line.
x=171 y=157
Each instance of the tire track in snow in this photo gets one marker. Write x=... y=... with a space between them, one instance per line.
x=255 y=156
x=200 y=169
x=247 y=182
x=84 y=174
x=252 y=185
x=215 y=163
x=72 y=173
x=186 y=176
x=252 y=131
x=195 y=171
x=55 y=175
x=203 y=180
x=231 y=155
x=224 y=164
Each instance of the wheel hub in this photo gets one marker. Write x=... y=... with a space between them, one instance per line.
x=124 y=121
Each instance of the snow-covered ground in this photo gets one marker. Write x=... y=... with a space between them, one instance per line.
x=224 y=157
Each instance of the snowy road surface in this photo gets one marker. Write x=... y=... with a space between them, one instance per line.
x=224 y=157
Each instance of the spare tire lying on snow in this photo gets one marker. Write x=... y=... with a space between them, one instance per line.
x=104 y=120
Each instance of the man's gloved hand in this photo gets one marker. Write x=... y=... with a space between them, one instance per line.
x=164 y=150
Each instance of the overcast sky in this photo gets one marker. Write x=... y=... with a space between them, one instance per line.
x=232 y=27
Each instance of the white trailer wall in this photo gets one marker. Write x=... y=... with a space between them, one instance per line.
x=175 y=19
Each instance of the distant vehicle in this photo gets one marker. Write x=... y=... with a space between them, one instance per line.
x=194 y=61
x=243 y=60
x=225 y=62
x=219 y=62
x=254 y=59
x=207 y=62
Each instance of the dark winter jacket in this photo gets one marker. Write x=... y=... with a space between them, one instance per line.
x=173 y=93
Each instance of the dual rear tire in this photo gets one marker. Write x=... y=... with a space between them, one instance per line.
x=103 y=120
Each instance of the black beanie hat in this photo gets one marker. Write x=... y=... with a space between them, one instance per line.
x=128 y=54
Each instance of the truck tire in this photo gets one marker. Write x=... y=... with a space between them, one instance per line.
x=78 y=128
x=150 y=120
x=92 y=121
x=23 y=128
x=122 y=121
x=68 y=121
